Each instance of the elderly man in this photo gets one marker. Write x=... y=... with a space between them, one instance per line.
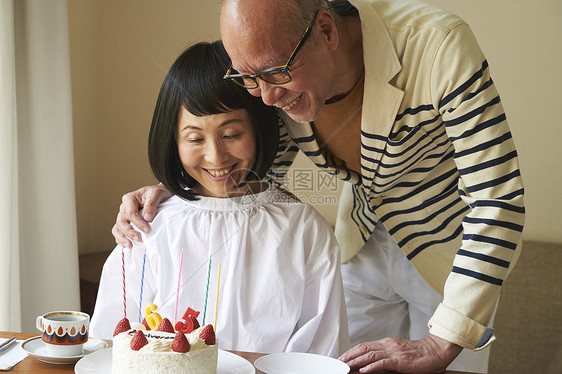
x=395 y=98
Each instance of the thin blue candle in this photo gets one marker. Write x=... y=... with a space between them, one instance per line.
x=207 y=292
x=142 y=284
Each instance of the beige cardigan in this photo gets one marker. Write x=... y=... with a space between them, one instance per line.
x=439 y=166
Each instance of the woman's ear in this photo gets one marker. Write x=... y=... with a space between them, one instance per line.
x=328 y=28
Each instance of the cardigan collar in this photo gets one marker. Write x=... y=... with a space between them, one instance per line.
x=381 y=100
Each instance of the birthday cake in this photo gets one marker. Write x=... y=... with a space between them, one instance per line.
x=185 y=349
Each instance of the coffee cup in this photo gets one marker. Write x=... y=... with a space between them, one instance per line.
x=64 y=332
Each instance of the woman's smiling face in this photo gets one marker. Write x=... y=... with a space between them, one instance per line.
x=218 y=150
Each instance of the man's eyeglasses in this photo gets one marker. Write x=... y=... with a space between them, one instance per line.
x=276 y=75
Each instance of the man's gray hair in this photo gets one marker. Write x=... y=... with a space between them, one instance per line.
x=301 y=12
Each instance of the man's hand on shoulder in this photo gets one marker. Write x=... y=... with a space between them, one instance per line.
x=145 y=199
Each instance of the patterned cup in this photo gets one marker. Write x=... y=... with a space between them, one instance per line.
x=64 y=332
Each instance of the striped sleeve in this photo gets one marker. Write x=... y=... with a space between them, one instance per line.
x=490 y=184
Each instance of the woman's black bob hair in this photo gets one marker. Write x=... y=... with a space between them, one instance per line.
x=195 y=82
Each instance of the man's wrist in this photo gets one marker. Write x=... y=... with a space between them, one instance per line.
x=448 y=349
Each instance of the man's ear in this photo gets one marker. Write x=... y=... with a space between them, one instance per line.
x=328 y=28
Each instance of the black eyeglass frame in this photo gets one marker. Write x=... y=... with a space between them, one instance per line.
x=284 y=69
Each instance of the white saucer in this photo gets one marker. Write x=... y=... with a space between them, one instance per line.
x=300 y=363
x=100 y=363
x=37 y=348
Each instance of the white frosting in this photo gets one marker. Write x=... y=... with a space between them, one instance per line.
x=194 y=340
x=158 y=357
x=156 y=345
x=137 y=326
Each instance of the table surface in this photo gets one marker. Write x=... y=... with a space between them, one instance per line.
x=31 y=365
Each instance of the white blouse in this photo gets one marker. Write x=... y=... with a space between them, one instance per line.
x=280 y=283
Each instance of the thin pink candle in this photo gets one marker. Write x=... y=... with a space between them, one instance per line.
x=217 y=302
x=178 y=289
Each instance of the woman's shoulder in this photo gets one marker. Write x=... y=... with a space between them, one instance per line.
x=174 y=202
x=299 y=211
x=172 y=206
x=281 y=195
x=170 y=211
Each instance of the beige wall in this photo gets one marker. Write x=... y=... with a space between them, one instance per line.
x=120 y=53
x=121 y=50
